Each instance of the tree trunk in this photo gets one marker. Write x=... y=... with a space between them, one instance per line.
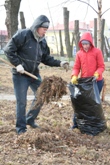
x=22 y=19
x=102 y=35
x=95 y=32
x=77 y=34
x=61 y=45
x=107 y=43
x=11 y=22
x=66 y=30
x=99 y=23
x=107 y=47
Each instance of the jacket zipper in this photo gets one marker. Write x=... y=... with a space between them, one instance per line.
x=87 y=63
x=36 y=57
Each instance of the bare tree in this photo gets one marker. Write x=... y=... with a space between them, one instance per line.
x=95 y=32
x=102 y=35
x=99 y=4
x=22 y=19
x=66 y=30
x=61 y=44
x=12 y=9
x=77 y=34
x=53 y=28
x=99 y=14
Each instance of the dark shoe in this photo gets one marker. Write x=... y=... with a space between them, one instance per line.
x=21 y=132
x=74 y=126
x=33 y=125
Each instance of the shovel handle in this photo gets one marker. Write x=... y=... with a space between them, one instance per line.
x=25 y=72
x=31 y=75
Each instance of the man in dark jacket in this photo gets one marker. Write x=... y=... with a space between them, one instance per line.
x=26 y=50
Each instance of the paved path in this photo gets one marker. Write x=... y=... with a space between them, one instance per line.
x=11 y=97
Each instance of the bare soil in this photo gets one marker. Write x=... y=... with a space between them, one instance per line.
x=54 y=143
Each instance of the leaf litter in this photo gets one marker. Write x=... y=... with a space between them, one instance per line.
x=54 y=143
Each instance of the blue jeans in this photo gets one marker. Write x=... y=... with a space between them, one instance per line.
x=21 y=84
x=100 y=85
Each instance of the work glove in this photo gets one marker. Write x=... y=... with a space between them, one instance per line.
x=74 y=80
x=96 y=75
x=65 y=65
x=20 y=68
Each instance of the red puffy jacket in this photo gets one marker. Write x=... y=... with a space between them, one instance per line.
x=88 y=62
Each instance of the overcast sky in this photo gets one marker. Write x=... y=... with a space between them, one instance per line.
x=78 y=10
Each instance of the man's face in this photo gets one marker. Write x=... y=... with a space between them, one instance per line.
x=86 y=47
x=41 y=31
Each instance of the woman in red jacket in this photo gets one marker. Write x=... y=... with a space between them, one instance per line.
x=89 y=62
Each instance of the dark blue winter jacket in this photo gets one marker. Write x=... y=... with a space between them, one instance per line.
x=25 y=49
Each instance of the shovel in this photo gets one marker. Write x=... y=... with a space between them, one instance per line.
x=25 y=72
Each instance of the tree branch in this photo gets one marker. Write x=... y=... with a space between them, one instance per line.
x=105 y=11
x=88 y=5
x=98 y=5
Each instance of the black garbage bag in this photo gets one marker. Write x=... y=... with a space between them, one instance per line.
x=87 y=106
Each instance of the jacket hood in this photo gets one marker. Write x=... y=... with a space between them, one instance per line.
x=86 y=36
x=37 y=23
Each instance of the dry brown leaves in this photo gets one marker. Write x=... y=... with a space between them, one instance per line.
x=51 y=89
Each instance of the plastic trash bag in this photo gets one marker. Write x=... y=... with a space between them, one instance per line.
x=87 y=106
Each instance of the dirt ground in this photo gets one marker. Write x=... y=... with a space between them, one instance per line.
x=54 y=143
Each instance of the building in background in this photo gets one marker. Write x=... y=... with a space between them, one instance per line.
x=3 y=38
x=53 y=39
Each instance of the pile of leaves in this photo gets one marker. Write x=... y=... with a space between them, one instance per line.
x=51 y=89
